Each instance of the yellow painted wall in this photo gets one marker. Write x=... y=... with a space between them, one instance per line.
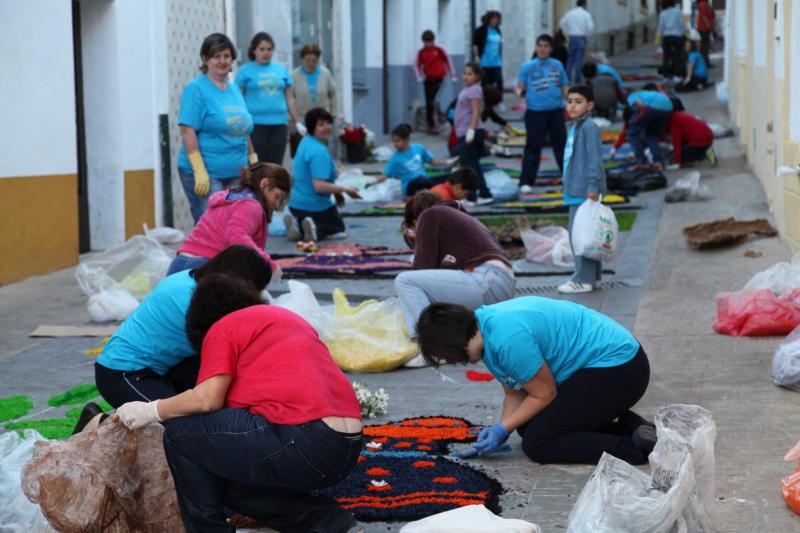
x=39 y=221
x=139 y=201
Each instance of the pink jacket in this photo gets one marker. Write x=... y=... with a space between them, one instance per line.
x=237 y=221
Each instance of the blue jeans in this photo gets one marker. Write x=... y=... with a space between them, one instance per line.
x=537 y=123
x=576 y=48
x=234 y=459
x=471 y=158
x=652 y=123
x=185 y=262
x=199 y=204
x=586 y=270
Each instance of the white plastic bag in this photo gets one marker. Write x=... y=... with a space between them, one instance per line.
x=504 y=189
x=301 y=300
x=548 y=245
x=780 y=278
x=382 y=153
x=111 y=304
x=786 y=362
x=469 y=519
x=722 y=93
x=164 y=234
x=688 y=188
x=276 y=226
x=17 y=514
x=675 y=497
x=387 y=191
x=595 y=232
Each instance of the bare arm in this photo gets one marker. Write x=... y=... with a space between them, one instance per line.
x=475 y=54
x=511 y=401
x=189 y=137
x=206 y=397
x=290 y=103
x=541 y=390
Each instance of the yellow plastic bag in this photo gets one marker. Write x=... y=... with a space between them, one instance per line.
x=371 y=337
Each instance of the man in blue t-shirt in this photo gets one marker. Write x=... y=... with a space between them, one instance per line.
x=570 y=376
x=650 y=110
x=545 y=84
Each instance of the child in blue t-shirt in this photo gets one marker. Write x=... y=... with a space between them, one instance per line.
x=408 y=163
x=696 y=70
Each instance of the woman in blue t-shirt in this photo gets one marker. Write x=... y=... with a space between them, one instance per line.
x=150 y=357
x=215 y=127
x=570 y=376
x=487 y=49
x=267 y=88
x=696 y=70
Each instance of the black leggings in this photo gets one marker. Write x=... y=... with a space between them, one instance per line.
x=145 y=385
x=431 y=89
x=493 y=76
x=269 y=142
x=328 y=222
x=579 y=425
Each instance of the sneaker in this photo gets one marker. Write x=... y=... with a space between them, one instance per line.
x=338 y=236
x=573 y=287
x=673 y=166
x=292 y=231
x=309 y=229
x=483 y=200
x=90 y=410
x=645 y=437
x=416 y=362
x=711 y=156
x=467 y=203
x=525 y=189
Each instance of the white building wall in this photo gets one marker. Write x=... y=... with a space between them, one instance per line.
x=794 y=76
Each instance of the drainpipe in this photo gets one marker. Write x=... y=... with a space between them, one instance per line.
x=385 y=71
x=472 y=22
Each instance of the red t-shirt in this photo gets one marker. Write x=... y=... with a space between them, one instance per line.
x=687 y=129
x=705 y=17
x=443 y=191
x=434 y=62
x=281 y=369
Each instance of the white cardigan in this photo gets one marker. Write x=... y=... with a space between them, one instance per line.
x=326 y=91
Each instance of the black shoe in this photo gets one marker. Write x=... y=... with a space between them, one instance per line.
x=645 y=438
x=90 y=410
x=632 y=421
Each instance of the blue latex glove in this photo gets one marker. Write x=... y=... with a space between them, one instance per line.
x=490 y=439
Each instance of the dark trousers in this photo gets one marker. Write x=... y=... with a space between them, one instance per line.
x=693 y=84
x=237 y=460
x=693 y=153
x=493 y=76
x=294 y=142
x=537 y=123
x=651 y=123
x=578 y=425
x=431 y=90
x=705 y=45
x=672 y=48
x=118 y=387
x=269 y=142
x=328 y=222
x=419 y=184
x=471 y=158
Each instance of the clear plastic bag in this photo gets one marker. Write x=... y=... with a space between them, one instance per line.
x=595 y=233
x=688 y=188
x=277 y=228
x=548 y=245
x=675 y=497
x=164 y=234
x=111 y=304
x=779 y=278
x=504 y=189
x=469 y=519
x=757 y=312
x=17 y=514
x=786 y=362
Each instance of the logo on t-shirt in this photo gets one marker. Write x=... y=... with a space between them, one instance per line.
x=448 y=260
x=414 y=164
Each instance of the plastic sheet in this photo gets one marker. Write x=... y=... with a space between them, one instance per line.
x=17 y=514
x=469 y=519
x=595 y=233
x=164 y=234
x=786 y=362
x=382 y=153
x=548 y=245
x=503 y=187
x=779 y=278
x=110 y=479
x=757 y=312
x=675 y=497
x=389 y=190
x=688 y=188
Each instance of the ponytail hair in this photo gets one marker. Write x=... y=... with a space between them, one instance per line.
x=278 y=177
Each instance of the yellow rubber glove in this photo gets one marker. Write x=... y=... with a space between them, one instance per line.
x=516 y=131
x=202 y=183
x=658 y=39
x=252 y=158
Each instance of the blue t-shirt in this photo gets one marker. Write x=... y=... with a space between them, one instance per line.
x=222 y=124
x=602 y=68
x=700 y=67
x=311 y=79
x=154 y=336
x=543 y=79
x=264 y=88
x=312 y=160
x=408 y=165
x=491 y=49
x=520 y=335
x=651 y=99
x=569 y=147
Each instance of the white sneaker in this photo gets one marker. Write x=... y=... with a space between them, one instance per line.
x=467 y=203
x=573 y=287
x=292 y=231
x=673 y=166
x=525 y=189
x=309 y=229
x=484 y=201
x=338 y=236
x=417 y=362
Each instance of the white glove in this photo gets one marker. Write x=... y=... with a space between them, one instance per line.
x=612 y=153
x=518 y=91
x=277 y=274
x=138 y=414
x=301 y=128
x=470 y=136
x=453 y=160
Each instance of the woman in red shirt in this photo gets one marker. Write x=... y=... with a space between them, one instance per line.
x=434 y=62
x=271 y=418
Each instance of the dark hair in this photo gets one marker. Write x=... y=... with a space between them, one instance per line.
x=546 y=38
x=256 y=40
x=559 y=37
x=465 y=176
x=491 y=96
x=216 y=296
x=402 y=130
x=428 y=36
x=239 y=261
x=581 y=3
x=443 y=332
x=589 y=70
x=315 y=116
x=582 y=89
x=475 y=67
x=422 y=201
x=214 y=44
x=489 y=15
x=666 y=4
x=252 y=176
x=693 y=46
x=650 y=86
x=310 y=48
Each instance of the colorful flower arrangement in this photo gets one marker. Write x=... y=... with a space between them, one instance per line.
x=353 y=134
x=373 y=404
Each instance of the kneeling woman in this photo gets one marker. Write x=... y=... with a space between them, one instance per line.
x=570 y=376
x=271 y=418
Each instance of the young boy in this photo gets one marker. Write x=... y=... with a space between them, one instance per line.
x=545 y=82
x=460 y=184
x=408 y=163
x=435 y=64
x=583 y=179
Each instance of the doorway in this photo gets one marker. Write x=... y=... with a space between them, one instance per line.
x=84 y=234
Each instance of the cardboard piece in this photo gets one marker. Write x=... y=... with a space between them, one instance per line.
x=75 y=331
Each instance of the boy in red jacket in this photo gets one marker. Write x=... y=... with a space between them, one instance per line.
x=434 y=63
x=691 y=139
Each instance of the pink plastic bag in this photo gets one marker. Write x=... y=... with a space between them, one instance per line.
x=757 y=312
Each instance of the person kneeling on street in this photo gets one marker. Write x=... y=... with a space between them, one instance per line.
x=570 y=376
